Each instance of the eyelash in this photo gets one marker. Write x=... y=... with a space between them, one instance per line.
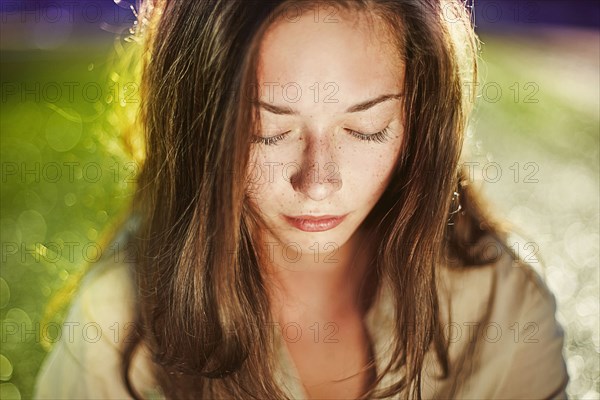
x=378 y=137
x=269 y=141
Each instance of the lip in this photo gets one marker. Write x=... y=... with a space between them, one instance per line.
x=312 y=223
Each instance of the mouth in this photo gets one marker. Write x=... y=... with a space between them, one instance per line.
x=311 y=223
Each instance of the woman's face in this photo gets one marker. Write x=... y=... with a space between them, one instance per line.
x=326 y=90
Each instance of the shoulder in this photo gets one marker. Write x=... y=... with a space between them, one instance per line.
x=512 y=285
x=509 y=309
x=86 y=360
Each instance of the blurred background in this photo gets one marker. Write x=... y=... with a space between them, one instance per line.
x=66 y=177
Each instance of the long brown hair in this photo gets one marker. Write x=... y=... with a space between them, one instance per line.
x=202 y=303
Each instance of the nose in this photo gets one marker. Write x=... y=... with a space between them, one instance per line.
x=319 y=175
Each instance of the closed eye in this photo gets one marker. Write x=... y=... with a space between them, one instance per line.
x=269 y=141
x=378 y=137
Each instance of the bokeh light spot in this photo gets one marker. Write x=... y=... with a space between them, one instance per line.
x=70 y=199
x=8 y=391
x=6 y=368
x=63 y=134
x=4 y=293
x=32 y=225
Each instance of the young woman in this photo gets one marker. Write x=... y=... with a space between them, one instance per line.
x=302 y=227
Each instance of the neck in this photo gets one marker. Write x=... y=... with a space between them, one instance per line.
x=321 y=286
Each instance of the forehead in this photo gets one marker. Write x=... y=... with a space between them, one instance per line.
x=350 y=59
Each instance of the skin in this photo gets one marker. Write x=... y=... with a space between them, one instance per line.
x=319 y=168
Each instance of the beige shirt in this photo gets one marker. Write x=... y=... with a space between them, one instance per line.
x=520 y=354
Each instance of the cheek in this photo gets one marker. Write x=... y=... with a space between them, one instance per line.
x=371 y=167
x=264 y=186
x=372 y=181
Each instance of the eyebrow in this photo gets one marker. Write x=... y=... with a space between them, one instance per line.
x=365 y=105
